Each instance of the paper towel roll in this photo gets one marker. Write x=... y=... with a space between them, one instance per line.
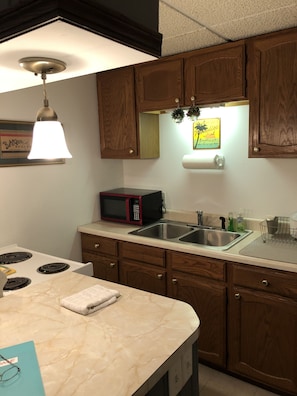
x=194 y=162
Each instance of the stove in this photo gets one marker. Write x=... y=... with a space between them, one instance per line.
x=28 y=267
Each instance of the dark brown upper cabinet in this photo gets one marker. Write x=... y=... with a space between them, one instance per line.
x=272 y=92
x=159 y=84
x=216 y=74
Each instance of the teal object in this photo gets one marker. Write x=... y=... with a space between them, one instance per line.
x=28 y=381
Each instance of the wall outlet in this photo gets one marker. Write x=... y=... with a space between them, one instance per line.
x=175 y=378
x=187 y=364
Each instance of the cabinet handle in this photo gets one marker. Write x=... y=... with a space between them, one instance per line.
x=97 y=245
x=112 y=265
x=265 y=282
x=174 y=281
x=160 y=276
x=176 y=100
x=193 y=99
x=256 y=149
x=237 y=296
x=131 y=151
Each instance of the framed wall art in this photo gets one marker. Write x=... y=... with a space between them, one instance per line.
x=207 y=133
x=15 y=144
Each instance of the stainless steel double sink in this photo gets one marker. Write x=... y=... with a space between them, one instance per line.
x=208 y=237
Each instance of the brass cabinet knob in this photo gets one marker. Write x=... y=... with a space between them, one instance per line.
x=160 y=276
x=237 y=296
x=256 y=149
x=97 y=245
x=265 y=282
x=174 y=281
x=112 y=265
x=131 y=151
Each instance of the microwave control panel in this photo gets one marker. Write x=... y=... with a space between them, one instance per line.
x=135 y=209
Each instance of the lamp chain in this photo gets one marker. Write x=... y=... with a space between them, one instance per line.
x=45 y=100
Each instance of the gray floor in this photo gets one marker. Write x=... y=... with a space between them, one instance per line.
x=215 y=383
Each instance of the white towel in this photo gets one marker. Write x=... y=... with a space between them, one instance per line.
x=90 y=300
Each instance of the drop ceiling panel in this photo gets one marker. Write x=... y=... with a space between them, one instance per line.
x=181 y=21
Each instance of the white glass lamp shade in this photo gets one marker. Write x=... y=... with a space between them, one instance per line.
x=48 y=141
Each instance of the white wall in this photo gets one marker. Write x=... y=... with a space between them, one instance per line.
x=42 y=205
x=260 y=187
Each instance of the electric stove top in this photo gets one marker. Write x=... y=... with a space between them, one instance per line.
x=36 y=266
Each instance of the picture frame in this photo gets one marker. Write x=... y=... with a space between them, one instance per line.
x=15 y=144
x=207 y=133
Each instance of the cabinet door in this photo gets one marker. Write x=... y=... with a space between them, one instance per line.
x=158 y=84
x=208 y=298
x=263 y=338
x=105 y=267
x=143 y=276
x=272 y=81
x=215 y=74
x=117 y=116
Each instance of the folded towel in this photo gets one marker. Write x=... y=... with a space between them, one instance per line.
x=90 y=300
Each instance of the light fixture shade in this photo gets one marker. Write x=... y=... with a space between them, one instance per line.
x=48 y=141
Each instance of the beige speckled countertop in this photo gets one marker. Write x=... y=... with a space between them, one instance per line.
x=119 y=350
x=121 y=232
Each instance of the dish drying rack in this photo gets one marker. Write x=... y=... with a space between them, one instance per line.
x=278 y=230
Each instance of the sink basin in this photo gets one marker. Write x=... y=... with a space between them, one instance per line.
x=211 y=237
x=163 y=231
x=206 y=237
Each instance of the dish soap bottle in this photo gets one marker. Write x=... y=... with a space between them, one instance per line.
x=230 y=222
x=240 y=226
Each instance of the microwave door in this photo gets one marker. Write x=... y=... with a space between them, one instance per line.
x=116 y=208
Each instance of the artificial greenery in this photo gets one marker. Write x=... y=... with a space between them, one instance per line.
x=178 y=114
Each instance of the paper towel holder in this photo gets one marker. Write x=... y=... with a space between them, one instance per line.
x=210 y=162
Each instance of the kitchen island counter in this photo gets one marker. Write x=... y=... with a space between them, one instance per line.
x=123 y=349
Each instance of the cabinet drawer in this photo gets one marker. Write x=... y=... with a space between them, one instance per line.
x=269 y=280
x=146 y=254
x=198 y=265
x=98 y=244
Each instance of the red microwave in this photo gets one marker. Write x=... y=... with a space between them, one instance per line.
x=131 y=205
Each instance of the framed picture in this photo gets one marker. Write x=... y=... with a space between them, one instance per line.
x=15 y=144
x=207 y=133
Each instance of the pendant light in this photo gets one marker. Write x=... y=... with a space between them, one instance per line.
x=48 y=140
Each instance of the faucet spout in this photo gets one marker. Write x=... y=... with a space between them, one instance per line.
x=200 y=217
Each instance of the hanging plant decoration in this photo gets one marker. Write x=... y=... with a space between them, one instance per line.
x=193 y=113
x=178 y=115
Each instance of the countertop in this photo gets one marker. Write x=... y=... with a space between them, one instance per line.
x=121 y=232
x=119 y=350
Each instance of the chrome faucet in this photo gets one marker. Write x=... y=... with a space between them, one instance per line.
x=200 y=217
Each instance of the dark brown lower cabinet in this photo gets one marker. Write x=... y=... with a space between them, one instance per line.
x=262 y=329
x=143 y=267
x=144 y=277
x=200 y=281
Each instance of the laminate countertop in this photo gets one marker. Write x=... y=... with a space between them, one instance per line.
x=121 y=232
x=119 y=350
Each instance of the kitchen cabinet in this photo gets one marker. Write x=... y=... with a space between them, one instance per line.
x=205 y=76
x=103 y=253
x=216 y=74
x=123 y=132
x=263 y=326
x=159 y=83
x=201 y=282
x=272 y=81
x=143 y=267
